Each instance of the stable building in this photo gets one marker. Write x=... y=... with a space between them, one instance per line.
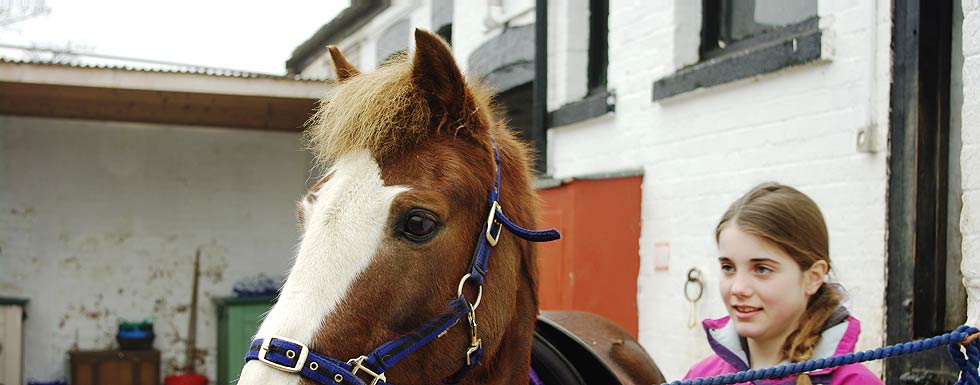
x=675 y=108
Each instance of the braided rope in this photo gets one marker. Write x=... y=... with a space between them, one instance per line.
x=968 y=363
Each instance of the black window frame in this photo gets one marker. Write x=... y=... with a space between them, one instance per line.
x=598 y=100
x=772 y=51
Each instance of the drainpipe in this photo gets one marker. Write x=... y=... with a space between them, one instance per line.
x=539 y=114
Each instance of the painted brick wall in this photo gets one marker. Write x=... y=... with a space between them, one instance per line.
x=99 y=222
x=970 y=157
x=702 y=150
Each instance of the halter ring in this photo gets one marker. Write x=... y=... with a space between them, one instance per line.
x=479 y=294
x=357 y=364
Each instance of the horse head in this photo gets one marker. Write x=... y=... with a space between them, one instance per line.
x=416 y=158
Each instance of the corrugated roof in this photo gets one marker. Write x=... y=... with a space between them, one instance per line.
x=83 y=60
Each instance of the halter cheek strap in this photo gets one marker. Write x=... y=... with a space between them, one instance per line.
x=496 y=220
x=295 y=357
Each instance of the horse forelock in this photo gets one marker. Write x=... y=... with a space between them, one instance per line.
x=374 y=111
x=385 y=113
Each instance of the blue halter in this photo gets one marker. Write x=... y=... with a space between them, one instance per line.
x=295 y=357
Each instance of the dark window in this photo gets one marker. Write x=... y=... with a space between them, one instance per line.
x=597 y=101
x=729 y=24
x=598 y=45
x=745 y=38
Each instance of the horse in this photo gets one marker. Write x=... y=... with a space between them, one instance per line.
x=407 y=269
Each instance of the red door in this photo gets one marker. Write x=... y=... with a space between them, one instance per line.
x=594 y=266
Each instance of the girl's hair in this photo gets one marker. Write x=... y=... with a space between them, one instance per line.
x=790 y=220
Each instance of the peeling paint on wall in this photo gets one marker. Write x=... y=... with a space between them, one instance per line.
x=214 y=268
x=23 y=213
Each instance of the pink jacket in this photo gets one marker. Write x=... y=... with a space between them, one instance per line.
x=731 y=357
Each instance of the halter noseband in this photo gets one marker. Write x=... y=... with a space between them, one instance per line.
x=295 y=357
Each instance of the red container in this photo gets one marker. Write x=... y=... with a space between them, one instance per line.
x=186 y=379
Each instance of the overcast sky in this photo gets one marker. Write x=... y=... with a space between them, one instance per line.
x=248 y=35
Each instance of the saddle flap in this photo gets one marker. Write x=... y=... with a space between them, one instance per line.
x=598 y=350
x=560 y=357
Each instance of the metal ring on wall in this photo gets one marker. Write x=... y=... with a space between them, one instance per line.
x=693 y=278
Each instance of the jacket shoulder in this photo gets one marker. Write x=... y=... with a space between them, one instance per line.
x=855 y=374
x=708 y=367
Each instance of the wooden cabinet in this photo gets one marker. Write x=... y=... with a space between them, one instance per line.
x=238 y=320
x=115 y=367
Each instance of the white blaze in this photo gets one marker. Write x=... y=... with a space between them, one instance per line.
x=343 y=228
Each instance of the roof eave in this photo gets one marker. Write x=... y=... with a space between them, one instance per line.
x=348 y=21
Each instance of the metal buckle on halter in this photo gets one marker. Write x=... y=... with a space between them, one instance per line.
x=475 y=342
x=358 y=364
x=300 y=360
x=490 y=221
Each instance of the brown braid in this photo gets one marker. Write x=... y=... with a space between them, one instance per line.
x=790 y=220
x=799 y=345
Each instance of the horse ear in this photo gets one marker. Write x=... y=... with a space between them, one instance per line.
x=343 y=68
x=435 y=73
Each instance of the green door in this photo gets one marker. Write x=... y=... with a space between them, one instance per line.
x=238 y=320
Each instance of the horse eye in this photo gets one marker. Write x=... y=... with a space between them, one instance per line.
x=419 y=226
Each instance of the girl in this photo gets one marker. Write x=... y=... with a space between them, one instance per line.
x=774 y=256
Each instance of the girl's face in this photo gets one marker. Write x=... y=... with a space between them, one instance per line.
x=763 y=288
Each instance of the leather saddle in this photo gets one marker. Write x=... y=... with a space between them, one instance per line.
x=578 y=348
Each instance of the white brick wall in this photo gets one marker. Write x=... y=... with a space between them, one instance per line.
x=99 y=222
x=970 y=157
x=702 y=150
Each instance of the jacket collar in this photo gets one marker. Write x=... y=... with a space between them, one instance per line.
x=839 y=337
